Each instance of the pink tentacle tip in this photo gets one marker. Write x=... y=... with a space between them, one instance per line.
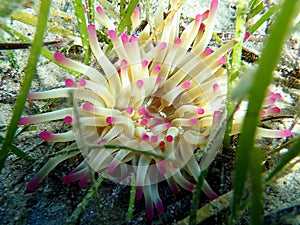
x=154 y=138
x=111 y=168
x=186 y=84
x=200 y=111
x=60 y=42
x=286 y=133
x=214 y=5
x=161 y=166
x=32 y=185
x=129 y=110
x=175 y=190
x=159 y=206
x=139 y=193
x=25 y=120
x=198 y=17
x=112 y=34
x=124 y=38
x=150 y=213
x=168 y=125
x=270 y=101
x=133 y=39
x=87 y=106
x=208 y=51
x=66 y=179
x=158 y=79
x=46 y=135
x=169 y=138
x=191 y=186
x=142 y=111
x=140 y=83
x=213 y=196
x=31 y=95
x=174 y=166
x=277 y=96
x=222 y=61
x=247 y=35
x=102 y=141
x=202 y=27
x=68 y=120
x=145 y=137
x=59 y=57
x=136 y=9
x=177 y=41
x=157 y=68
x=109 y=120
x=82 y=82
x=162 y=144
x=145 y=63
x=83 y=181
x=216 y=87
x=218 y=114
x=91 y=29
x=70 y=83
x=123 y=64
x=194 y=121
x=144 y=121
x=275 y=110
x=162 y=45
x=100 y=10
x=161 y=169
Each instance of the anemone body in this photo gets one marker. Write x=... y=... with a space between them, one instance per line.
x=159 y=101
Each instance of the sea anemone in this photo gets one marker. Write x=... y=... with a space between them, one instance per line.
x=145 y=115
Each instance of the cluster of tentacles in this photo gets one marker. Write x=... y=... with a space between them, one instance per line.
x=159 y=101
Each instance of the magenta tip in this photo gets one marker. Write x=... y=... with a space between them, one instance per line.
x=59 y=57
x=177 y=41
x=287 y=133
x=112 y=33
x=159 y=206
x=145 y=63
x=163 y=45
x=129 y=109
x=136 y=9
x=150 y=214
x=99 y=9
x=82 y=82
x=46 y=135
x=198 y=17
x=31 y=186
x=124 y=38
x=169 y=138
x=109 y=120
x=140 y=83
x=24 y=120
x=247 y=35
x=145 y=137
x=83 y=181
x=157 y=68
x=68 y=120
x=200 y=111
x=158 y=79
x=91 y=26
x=186 y=84
x=70 y=83
x=87 y=106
